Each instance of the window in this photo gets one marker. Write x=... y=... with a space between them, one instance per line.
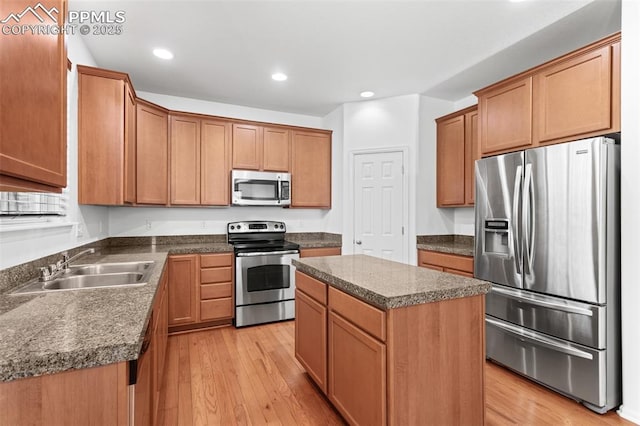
x=30 y=204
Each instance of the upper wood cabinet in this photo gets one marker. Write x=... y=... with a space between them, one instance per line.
x=260 y=148
x=572 y=97
x=33 y=105
x=152 y=154
x=311 y=169
x=200 y=170
x=457 y=150
x=106 y=137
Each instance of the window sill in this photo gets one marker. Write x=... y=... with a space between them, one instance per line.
x=35 y=226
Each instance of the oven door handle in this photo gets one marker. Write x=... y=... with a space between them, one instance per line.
x=267 y=253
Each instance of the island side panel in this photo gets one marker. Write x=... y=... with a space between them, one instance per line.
x=436 y=355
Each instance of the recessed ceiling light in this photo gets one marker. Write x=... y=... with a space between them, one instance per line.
x=279 y=76
x=367 y=94
x=163 y=53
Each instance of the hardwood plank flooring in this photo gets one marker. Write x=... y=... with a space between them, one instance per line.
x=250 y=376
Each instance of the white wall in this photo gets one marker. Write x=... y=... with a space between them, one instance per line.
x=381 y=123
x=22 y=246
x=335 y=121
x=430 y=219
x=630 y=208
x=139 y=221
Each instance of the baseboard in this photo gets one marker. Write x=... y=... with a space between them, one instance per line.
x=628 y=414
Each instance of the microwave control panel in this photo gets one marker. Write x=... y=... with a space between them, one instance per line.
x=284 y=191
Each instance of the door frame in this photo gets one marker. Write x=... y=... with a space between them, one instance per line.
x=404 y=150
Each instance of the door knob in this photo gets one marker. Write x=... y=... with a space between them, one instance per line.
x=358 y=242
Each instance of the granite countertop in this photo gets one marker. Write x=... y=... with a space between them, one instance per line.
x=388 y=284
x=315 y=239
x=462 y=245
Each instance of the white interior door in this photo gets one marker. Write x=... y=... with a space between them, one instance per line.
x=379 y=205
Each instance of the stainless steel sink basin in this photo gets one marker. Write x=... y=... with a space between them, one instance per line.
x=109 y=268
x=88 y=281
x=96 y=275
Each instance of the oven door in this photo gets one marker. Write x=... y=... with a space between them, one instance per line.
x=263 y=277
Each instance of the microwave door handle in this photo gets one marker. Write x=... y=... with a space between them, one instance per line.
x=279 y=191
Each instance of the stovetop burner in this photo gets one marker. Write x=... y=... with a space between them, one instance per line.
x=258 y=236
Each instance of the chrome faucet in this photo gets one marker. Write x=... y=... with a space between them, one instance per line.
x=47 y=273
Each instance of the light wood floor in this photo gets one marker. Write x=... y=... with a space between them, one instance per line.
x=250 y=376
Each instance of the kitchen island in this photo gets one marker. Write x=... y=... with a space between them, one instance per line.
x=390 y=343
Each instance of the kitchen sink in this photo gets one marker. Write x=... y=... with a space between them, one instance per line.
x=97 y=275
x=109 y=268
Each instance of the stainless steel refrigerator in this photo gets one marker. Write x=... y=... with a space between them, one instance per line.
x=548 y=237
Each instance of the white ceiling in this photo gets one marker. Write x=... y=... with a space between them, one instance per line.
x=226 y=51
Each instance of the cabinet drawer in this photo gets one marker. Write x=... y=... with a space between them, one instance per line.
x=216 y=260
x=312 y=287
x=370 y=319
x=215 y=291
x=216 y=309
x=215 y=275
x=321 y=251
x=448 y=261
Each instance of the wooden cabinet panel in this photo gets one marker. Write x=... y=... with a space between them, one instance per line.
x=129 y=146
x=357 y=373
x=573 y=97
x=432 y=267
x=215 y=151
x=471 y=154
x=216 y=275
x=216 y=260
x=445 y=262
x=364 y=316
x=450 y=161
x=275 y=154
x=505 y=117
x=247 y=146
x=312 y=287
x=216 y=309
x=183 y=283
x=216 y=291
x=101 y=137
x=185 y=160
x=311 y=338
x=310 y=169
x=160 y=335
x=321 y=251
x=33 y=104
x=152 y=155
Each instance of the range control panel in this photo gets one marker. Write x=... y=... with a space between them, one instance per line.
x=255 y=226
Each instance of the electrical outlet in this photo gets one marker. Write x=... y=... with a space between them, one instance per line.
x=148 y=224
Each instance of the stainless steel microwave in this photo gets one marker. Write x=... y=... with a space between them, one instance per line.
x=250 y=188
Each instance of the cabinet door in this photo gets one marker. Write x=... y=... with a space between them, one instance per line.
x=129 y=146
x=357 y=373
x=215 y=147
x=311 y=338
x=185 y=160
x=275 y=154
x=247 y=147
x=450 y=159
x=143 y=408
x=152 y=155
x=159 y=344
x=183 y=282
x=471 y=154
x=100 y=140
x=311 y=169
x=33 y=100
x=573 y=97
x=505 y=117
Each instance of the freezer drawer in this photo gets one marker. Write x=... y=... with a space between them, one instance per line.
x=578 y=322
x=575 y=370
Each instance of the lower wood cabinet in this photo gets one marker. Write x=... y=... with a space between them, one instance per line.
x=445 y=262
x=320 y=251
x=420 y=364
x=200 y=289
x=159 y=340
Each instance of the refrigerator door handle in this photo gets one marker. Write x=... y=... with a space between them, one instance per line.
x=543 y=303
x=539 y=340
x=528 y=209
x=516 y=219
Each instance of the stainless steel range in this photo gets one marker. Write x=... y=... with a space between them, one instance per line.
x=265 y=277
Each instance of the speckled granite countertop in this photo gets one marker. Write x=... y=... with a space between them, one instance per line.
x=388 y=284
x=45 y=333
x=315 y=239
x=455 y=244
